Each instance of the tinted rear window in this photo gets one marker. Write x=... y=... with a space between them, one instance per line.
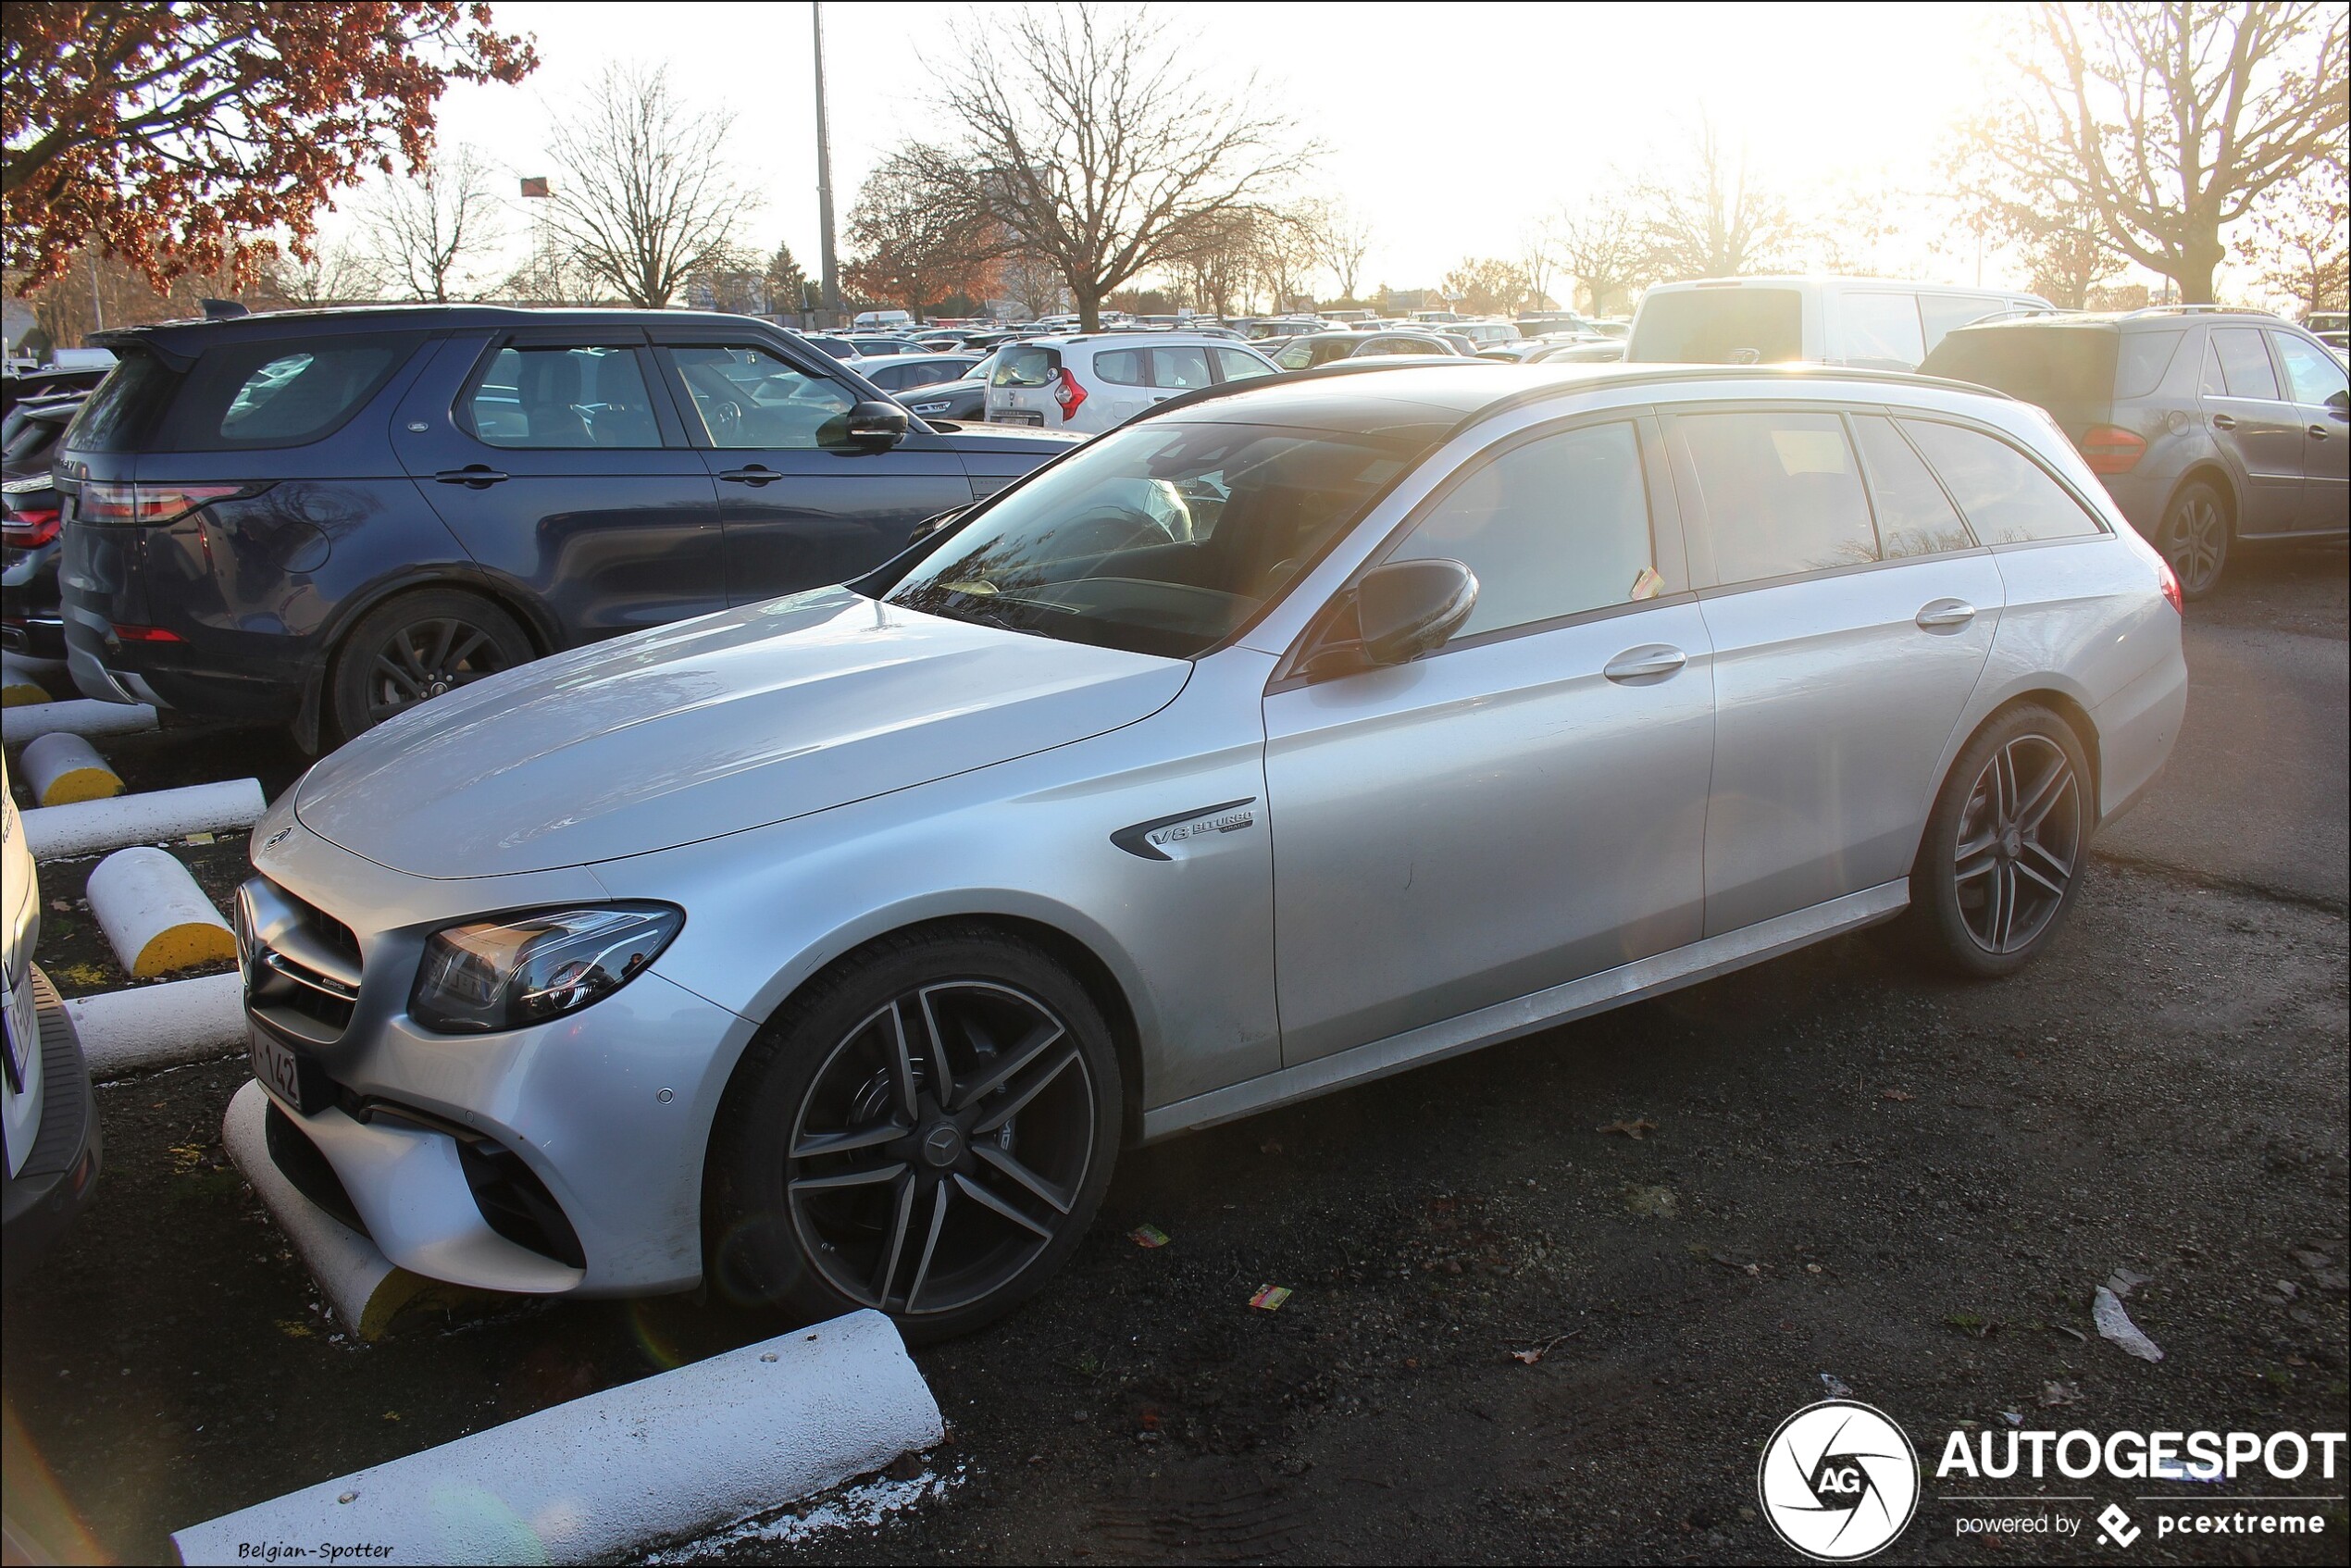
x=1720 y=327
x=2054 y=366
x=1024 y=367
x=117 y=416
x=284 y=393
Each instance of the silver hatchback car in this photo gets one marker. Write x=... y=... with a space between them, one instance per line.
x=830 y=949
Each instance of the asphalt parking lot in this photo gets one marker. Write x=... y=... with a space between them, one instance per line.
x=1829 y=1167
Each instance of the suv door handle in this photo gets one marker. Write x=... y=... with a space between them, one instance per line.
x=2317 y=432
x=754 y=474
x=2224 y=422
x=1945 y=614
x=1654 y=662
x=473 y=476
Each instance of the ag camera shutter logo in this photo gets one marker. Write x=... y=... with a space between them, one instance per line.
x=1838 y=1481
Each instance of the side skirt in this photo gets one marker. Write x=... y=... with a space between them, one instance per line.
x=1636 y=981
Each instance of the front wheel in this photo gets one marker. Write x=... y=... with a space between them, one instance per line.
x=927 y=1130
x=2006 y=846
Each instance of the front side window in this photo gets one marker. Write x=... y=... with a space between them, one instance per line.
x=1914 y=518
x=1239 y=367
x=1180 y=369
x=2313 y=374
x=1296 y=356
x=749 y=399
x=1554 y=527
x=561 y=398
x=2006 y=497
x=1162 y=538
x=2245 y=364
x=1780 y=492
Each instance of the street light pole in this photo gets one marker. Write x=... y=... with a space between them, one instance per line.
x=824 y=180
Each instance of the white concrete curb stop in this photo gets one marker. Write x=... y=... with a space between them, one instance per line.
x=87 y=827
x=155 y=916
x=83 y=716
x=674 y=1455
x=166 y=1025
x=62 y=767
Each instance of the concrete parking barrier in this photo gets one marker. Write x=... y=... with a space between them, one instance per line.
x=155 y=916
x=81 y=716
x=62 y=767
x=601 y=1478
x=166 y=1025
x=90 y=826
x=19 y=688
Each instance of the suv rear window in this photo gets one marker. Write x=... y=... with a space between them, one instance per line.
x=282 y=392
x=2054 y=366
x=1024 y=367
x=118 y=416
x=1720 y=327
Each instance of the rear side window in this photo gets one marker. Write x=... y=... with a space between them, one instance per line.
x=119 y=416
x=2056 y=366
x=2245 y=364
x=1024 y=367
x=1120 y=366
x=1780 y=492
x=1553 y=527
x=280 y=393
x=1720 y=327
x=562 y=398
x=1880 y=329
x=1914 y=518
x=2006 y=497
x=1940 y=314
x=2142 y=360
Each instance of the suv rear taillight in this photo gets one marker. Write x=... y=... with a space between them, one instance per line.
x=1069 y=394
x=144 y=504
x=2110 y=448
x=26 y=529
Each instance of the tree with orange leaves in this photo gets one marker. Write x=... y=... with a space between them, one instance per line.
x=179 y=136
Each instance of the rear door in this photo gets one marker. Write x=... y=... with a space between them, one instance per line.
x=2316 y=382
x=801 y=507
x=2256 y=427
x=560 y=464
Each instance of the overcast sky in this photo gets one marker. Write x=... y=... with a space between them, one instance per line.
x=1450 y=126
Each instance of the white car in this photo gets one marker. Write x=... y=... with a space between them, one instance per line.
x=1875 y=323
x=1095 y=381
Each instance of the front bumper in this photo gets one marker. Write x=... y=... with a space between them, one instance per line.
x=61 y=1172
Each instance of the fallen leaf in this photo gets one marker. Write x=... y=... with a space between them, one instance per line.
x=1895 y=1094
x=1640 y=1126
x=2054 y=1394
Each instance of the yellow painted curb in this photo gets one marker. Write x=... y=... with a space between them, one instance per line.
x=183 y=946
x=82 y=784
x=19 y=693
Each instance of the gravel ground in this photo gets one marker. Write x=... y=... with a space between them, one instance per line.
x=1844 y=1166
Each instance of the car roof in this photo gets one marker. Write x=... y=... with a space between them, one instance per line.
x=1145 y=336
x=2159 y=317
x=192 y=337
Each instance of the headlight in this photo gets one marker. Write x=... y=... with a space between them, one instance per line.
x=506 y=974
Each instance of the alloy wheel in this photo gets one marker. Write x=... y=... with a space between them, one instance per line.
x=2018 y=844
x=940 y=1147
x=426 y=658
x=2196 y=542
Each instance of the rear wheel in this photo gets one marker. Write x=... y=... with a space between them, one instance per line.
x=2006 y=846
x=927 y=1130
x=2195 y=538
x=416 y=647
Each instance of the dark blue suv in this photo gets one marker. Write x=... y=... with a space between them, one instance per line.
x=323 y=517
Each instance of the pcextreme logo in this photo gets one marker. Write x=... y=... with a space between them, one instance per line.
x=1838 y=1481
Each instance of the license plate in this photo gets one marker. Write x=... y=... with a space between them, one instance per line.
x=285 y=1072
x=1016 y=416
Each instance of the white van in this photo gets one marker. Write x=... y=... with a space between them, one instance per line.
x=1096 y=381
x=1875 y=322
x=884 y=319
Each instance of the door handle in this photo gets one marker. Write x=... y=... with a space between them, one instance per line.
x=2224 y=422
x=473 y=476
x=1945 y=614
x=2317 y=432
x=1654 y=662
x=755 y=474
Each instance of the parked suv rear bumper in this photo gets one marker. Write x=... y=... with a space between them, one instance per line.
x=107 y=667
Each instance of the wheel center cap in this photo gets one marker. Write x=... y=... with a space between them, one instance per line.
x=942 y=1146
x=2012 y=845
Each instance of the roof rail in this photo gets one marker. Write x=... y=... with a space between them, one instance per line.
x=2021 y=310
x=2198 y=309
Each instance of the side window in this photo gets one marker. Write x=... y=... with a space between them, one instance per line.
x=2005 y=494
x=1914 y=518
x=278 y=394
x=1180 y=368
x=1780 y=492
x=1555 y=527
x=1120 y=366
x=1940 y=313
x=2313 y=374
x=1337 y=348
x=2245 y=364
x=747 y=398
x=1881 y=329
x=556 y=397
x=889 y=377
x=1239 y=367
x=2141 y=360
x=1296 y=356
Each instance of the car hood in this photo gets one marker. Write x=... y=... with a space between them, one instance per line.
x=982 y=439
x=711 y=727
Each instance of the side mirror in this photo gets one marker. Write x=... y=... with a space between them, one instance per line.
x=875 y=426
x=2341 y=403
x=1399 y=612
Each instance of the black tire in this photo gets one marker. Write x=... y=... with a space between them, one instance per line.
x=415 y=647
x=2006 y=846
x=2194 y=537
x=943 y=1233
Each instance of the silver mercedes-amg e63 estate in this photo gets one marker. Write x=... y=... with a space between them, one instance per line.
x=829 y=948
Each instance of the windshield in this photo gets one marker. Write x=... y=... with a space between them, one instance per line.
x=1718 y=327
x=1163 y=538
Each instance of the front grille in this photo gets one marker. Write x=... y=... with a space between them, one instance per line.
x=300 y=1161
x=300 y=965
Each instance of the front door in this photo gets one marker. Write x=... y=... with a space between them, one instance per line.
x=1526 y=805
x=2316 y=382
x=802 y=508
x=2256 y=427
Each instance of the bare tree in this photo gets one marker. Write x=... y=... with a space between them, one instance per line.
x=1342 y=242
x=2298 y=239
x=1710 y=215
x=912 y=249
x=2171 y=120
x=422 y=232
x=335 y=274
x=1087 y=136
x=1536 y=261
x=1031 y=283
x=643 y=197
x=1603 y=245
x=2065 y=262
x=1485 y=285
